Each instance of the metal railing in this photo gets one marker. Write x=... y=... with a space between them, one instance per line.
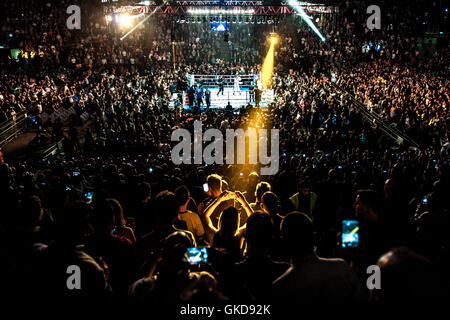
x=390 y=131
x=228 y=80
x=10 y=129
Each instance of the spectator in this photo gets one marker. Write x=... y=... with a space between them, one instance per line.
x=304 y=200
x=261 y=188
x=257 y=271
x=120 y=225
x=311 y=277
x=48 y=271
x=192 y=220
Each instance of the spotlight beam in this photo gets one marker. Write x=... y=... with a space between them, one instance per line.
x=135 y=27
x=305 y=17
x=268 y=64
x=142 y=21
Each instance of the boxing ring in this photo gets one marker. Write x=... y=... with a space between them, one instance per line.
x=236 y=90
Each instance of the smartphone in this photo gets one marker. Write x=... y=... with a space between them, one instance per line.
x=425 y=200
x=241 y=174
x=196 y=255
x=88 y=195
x=75 y=173
x=339 y=167
x=205 y=187
x=150 y=170
x=350 y=234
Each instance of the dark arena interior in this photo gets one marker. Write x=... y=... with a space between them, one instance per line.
x=224 y=158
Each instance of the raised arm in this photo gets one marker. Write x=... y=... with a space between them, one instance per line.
x=248 y=210
x=241 y=199
x=210 y=209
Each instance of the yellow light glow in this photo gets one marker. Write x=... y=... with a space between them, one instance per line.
x=267 y=67
x=108 y=18
x=273 y=39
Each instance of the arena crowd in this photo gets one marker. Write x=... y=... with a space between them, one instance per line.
x=113 y=203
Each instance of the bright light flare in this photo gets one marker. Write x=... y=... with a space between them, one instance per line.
x=273 y=39
x=268 y=64
x=137 y=25
x=306 y=18
x=125 y=20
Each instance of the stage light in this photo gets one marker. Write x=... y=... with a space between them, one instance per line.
x=273 y=38
x=305 y=17
x=116 y=18
x=125 y=20
x=108 y=18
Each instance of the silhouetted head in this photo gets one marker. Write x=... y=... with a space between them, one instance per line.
x=119 y=219
x=304 y=188
x=269 y=203
x=261 y=188
x=182 y=194
x=406 y=275
x=215 y=184
x=202 y=288
x=229 y=222
x=166 y=206
x=173 y=251
x=367 y=205
x=259 y=231
x=143 y=192
x=297 y=233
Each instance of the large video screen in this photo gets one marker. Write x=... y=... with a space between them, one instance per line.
x=219 y=26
